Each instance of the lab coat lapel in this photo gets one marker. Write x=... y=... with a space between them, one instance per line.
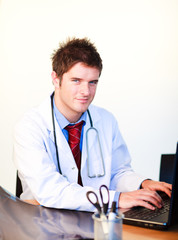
x=66 y=159
x=45 y=111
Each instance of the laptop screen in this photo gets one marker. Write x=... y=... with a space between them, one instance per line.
x=174 y=199
x=167 y=168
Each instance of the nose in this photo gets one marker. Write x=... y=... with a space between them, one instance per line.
x=85 y=90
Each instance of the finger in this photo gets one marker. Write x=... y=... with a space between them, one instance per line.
x=167 y=191
x=155 y=202
x=162 y=186
x=153 y=198
x=150 y=193
x=32 y=201
x=145 y=204
x=169 y=186
x=165 y=187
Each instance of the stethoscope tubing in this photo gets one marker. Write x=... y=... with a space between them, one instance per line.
x=54 y=130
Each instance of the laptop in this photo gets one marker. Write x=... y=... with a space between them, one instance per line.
x=160 y=218
x=166 y=168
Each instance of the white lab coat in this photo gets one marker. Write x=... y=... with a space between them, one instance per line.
x=35 y=159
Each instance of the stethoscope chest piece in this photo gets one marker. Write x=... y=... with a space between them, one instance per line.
x=95 y=160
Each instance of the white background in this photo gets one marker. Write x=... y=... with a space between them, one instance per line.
x=138 y=42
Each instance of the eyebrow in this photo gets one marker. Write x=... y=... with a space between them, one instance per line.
x=77 y=78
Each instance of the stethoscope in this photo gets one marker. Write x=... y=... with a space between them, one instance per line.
x=91 y=172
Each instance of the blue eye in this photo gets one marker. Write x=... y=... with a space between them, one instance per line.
x=75 y=80
x=94 y=82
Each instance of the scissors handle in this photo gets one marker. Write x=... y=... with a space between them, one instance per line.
x=95 y=202
x=104 y=188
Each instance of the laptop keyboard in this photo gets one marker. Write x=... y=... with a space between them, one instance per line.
x=147 y=214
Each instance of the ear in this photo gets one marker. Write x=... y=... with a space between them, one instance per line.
x=55 y=79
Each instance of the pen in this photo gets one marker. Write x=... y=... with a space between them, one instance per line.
x=111 y=218
x=112 y=213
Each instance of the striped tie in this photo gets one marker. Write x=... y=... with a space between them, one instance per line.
x=74 y=143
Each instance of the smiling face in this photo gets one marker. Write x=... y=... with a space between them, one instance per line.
x=76 y=90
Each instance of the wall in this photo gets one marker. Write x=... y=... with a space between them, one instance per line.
x=137 y=40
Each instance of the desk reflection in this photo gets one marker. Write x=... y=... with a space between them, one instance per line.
x=20 y=220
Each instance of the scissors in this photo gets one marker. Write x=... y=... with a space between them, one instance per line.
x=93 y=198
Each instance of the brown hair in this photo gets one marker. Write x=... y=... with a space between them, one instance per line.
x=73 y=51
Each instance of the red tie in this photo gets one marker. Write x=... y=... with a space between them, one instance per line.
x=74 y=143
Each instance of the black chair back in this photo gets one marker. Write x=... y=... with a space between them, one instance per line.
x=18 y=186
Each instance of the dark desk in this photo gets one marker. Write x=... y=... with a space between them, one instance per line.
x=23 y=221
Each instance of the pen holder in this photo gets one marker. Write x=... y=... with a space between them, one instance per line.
x=105 y=229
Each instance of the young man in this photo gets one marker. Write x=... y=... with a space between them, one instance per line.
x=55 y=173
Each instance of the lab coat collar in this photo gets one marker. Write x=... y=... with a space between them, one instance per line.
x=45 y=111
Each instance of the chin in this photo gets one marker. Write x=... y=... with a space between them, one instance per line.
x=82 y=109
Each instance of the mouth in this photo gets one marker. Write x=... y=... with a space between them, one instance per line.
x=83 y=100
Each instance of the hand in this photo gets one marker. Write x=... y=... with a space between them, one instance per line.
x=142 y=197
x=157 y=186
x=32 y=201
